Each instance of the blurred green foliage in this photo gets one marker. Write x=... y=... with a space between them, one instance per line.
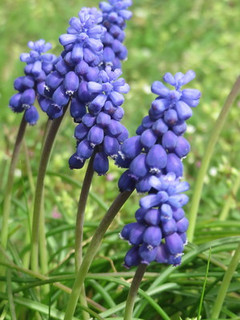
x=163 y=36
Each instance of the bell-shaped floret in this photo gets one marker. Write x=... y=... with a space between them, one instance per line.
x=111 y=146
x=182 y=225
x=71 y=83
x=184 y=112
x=162 y=254
x=126 y=182
x=132 y=257
x=148 y=138
x=147 y=253
x=77 y=110
x=95 y=135
x=152 y=236
x=75 y=162
x=100 y=163
x=156 y=158
x=84 y=149
x=28 y=97
x=136 y=234
x=138 y=166
x=31 y=115
x=174 y=243
x=174 y=165
x=169 y=140
x=131 y=147
x=152 y=217
x=169 y=226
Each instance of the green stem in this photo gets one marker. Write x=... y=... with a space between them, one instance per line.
x=8 y=192
x=225 y=284
x=132 y=294
x=207 y=157
x=80 y=213
x=28 y=167
x=38 y=201
x=224 y=214
x=9 y=186
x=79 y=227
x=92 y=250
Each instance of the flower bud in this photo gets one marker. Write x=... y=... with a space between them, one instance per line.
x=126 y=182
x=147 y=253
x=183 y=110
x=75 y=162
x=31 y=115
x=152 y=236
x=136 y=234
x=169 y=140
x=174 y=165
x=138 y=166
x=100 y=163
x=156 y=158
x=152 y=217
x=84 y=150
x=80 y=131
x=71 y=83
x=174 y=243
x=95 y=135
x=131 y=147
x=182 y=225
x=169 y=226
x=182 y=147
x=148 y=138
x=28 y=97
x=132 y=257
x=60 y=97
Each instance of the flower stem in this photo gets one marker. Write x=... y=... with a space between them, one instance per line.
x=8 y=192
x=79 y=227
x=38 y=201
x=132 y=294
x=207 y=157
x=80 y=213
x=9 y=186
x=224 y=214
x=28 y=167
x=225 y=284
x=92 y=250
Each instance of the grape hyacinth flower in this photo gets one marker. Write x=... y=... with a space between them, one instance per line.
x=38 y=66
x=154 y=161
x=115 y=14
x=77 y=65
x=100 y=129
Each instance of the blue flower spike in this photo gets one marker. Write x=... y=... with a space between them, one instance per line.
x=153 y=159
x=38 y=65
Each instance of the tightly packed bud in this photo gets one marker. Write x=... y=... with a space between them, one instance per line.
x=115 y=14
x=154 y=162
x=38 y=66
x=77 y=65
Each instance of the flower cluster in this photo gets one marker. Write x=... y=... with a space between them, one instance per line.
x=100 y=129
x=77 y=65
x=38 y=66
x=160 y=217
x=100 y=89
x=115 y=14
x=153 y=159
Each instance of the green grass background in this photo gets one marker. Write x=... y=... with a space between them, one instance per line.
x=163 y=36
